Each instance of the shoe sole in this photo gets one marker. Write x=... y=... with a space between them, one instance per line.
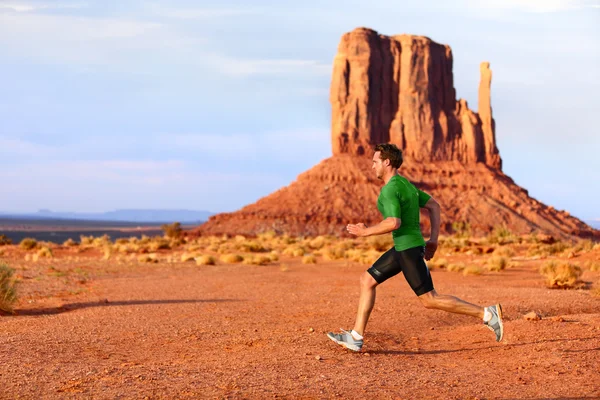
x=346 y=345
x=499 y=307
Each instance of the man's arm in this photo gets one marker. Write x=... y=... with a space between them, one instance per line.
x=434 y=216
x=387 y=225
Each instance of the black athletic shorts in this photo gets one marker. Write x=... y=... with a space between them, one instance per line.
x=410 y=262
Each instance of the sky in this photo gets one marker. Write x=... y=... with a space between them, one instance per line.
x=211 y=105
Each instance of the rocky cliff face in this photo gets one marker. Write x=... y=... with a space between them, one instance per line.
x=400 y=89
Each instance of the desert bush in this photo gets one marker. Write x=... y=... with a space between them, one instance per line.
x=456 y=267
x=380 y=242
x=257 y=260
x=205 y=260
x=472 y=270
x=274 y=255
x=70 y=243
x=108 y=250
x=172 y=231
x=583 y=246
x=461 y=229
x=437 y=263
x=86 y=240
x=4 y=240
x=148 y=258
x=231 y=258
x=28 y=244
x=561 y=274
x=504 y=251
x=122 y=241
x=309 y=259
x=159 y=244
x=545 y=250
x=501 y=235
x=101 y=241
x=497 y=263
x=187 y=257
x=454 y=244
x=294 y=251
x=267 y=236
x=333 y=253
x=8 y=292
x=44 y=252
x=317 y=243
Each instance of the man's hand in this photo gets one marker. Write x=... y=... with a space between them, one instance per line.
x=356 y=229
x=430 y=248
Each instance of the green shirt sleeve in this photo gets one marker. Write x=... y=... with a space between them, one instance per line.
x=423 y=198
x=390 y=202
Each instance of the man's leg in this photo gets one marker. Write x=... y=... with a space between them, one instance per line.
x=451 y=304
x=368 y=286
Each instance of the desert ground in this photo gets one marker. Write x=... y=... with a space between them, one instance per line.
x=234 y=317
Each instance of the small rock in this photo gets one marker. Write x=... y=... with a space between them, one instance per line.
x=532 y=316
x=558 y=319
x=318 y=358
x=311 y=330
x=432 y=328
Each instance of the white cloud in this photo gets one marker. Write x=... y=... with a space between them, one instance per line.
x=19 y=147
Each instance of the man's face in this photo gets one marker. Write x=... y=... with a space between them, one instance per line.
x=378 y=164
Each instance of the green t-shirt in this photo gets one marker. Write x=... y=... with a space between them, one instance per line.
x=401 y=199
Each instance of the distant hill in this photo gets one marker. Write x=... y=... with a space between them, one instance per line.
x=156 y=216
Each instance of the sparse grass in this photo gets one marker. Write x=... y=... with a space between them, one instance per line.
x=592 y=266
x=461 y=229
x=309 y=259
x=8 y=292
x=231 y=258
x=561 y=275
x=545 y=250
x=205 y=260
x=28 y=244
x=472 y=270
x=501 y=235
x=497 y=263
x=583 y=246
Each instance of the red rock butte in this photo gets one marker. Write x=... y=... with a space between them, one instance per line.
x=400 y=89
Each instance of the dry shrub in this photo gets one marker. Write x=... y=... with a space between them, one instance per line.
x=284 y=268
x=437 y=263
x=252 y=247
x=317 y=243
x=472 y=270
x=187 y=257
x=8 y=292
x=595 y=292
x=561 y=275
x=294 y=251
x=173 y=230
x=44 y=252
x=101 y=241
x=504 y=251
x=159 y=244
x=205 y=260
x=122 y=241
x=309 y=259
x=497 y=263
x=274 y=255
x=70 y=243
x=501 y=235
x=545 y=250
x=453 y=244
x=380 y=242
x=148 y=258
x=231 y=258
x=108 y=250
x=257 y=260
x=583 y=246
x=459 y=267
x=86 y=240
x=333 y=253
x=28 y=244
x=267 y=236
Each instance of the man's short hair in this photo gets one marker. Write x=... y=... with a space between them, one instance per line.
x=390 y=152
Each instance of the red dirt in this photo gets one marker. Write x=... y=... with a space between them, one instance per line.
x=238 y=331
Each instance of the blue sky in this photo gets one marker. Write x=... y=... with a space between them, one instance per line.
x=199 y=104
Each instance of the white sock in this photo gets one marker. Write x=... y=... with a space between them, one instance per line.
x=355 y=335
x=486 y=315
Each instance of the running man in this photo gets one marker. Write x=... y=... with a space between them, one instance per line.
x=399 y=203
